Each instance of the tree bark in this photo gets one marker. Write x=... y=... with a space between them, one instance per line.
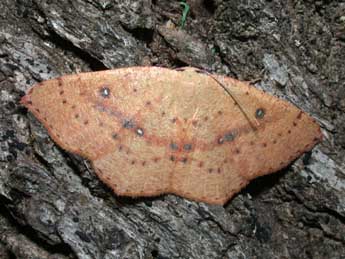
x=52 y=204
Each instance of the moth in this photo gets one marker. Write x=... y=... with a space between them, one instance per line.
x=149 y=130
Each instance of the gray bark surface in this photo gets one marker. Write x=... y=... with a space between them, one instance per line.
x=52 y=204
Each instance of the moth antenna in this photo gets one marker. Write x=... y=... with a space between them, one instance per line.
x=254 y=126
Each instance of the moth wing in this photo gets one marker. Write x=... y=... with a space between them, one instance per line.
x=257 y=134
x=151 y=130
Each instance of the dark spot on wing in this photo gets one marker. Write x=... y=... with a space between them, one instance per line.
x=76 y=116
x=187 y=147
x=173 y=146
x=172 y=158
x=184 y=160
x=199 y=71
x=59 y=81
x=260 y=113
x=105 y=92
x=64 y=101
x=316 y=139
x=140 y=132
x=86 y=122
x=128 y=124
x=114 y=136
x=61 y=92
x=228 y=137
x=221 y=140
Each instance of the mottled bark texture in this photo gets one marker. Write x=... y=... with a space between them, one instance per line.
x=53 y=206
